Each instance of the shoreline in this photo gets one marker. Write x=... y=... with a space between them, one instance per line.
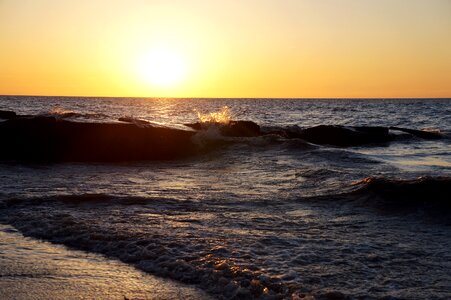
x=34 y=269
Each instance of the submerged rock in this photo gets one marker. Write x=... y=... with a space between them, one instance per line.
x=342 y=136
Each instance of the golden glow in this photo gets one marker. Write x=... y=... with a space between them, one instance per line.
x=212 y=48
x=162 y=67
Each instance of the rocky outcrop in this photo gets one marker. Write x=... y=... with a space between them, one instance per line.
x=5 y=114
x=50 y=139
x=44 y=138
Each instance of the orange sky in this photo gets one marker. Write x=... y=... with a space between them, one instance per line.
x=251 y=48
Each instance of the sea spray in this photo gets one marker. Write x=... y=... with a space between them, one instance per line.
x=210 y=124
x=224 y=116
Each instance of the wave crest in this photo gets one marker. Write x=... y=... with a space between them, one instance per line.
x=429 y=193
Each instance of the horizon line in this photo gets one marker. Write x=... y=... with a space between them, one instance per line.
x=274 y=98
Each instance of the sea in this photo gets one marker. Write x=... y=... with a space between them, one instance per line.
x=259 y=217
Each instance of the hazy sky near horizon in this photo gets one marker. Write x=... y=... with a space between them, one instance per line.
x=236 y=48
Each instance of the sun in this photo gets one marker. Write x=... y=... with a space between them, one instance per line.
x=162 y=67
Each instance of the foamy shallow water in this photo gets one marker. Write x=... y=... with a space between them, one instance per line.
x=220 y=246
x=242 y=221
x=31 y=269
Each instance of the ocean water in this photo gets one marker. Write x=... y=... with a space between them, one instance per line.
x=257 y=217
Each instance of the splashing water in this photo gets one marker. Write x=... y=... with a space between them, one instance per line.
x=224 y=116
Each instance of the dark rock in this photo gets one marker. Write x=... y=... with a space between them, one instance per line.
x=50 y=139
x=343 y=136
x=375 y=130
x=195 y=126
x=5 y=114
x=241 y=128
x=233 y=129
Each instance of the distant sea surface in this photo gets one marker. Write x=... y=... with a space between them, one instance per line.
x=259 y=216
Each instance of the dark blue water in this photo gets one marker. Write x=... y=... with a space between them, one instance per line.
x=243 y=220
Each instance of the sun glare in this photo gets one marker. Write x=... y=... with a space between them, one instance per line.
x=162 y=68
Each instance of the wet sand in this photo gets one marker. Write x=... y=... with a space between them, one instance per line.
x=31 y=269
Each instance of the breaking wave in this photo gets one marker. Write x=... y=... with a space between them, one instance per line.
x=428 y=193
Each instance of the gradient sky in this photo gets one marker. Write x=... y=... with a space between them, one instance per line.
x=236 y=48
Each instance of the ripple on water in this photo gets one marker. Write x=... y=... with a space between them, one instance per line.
x=256 y=250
